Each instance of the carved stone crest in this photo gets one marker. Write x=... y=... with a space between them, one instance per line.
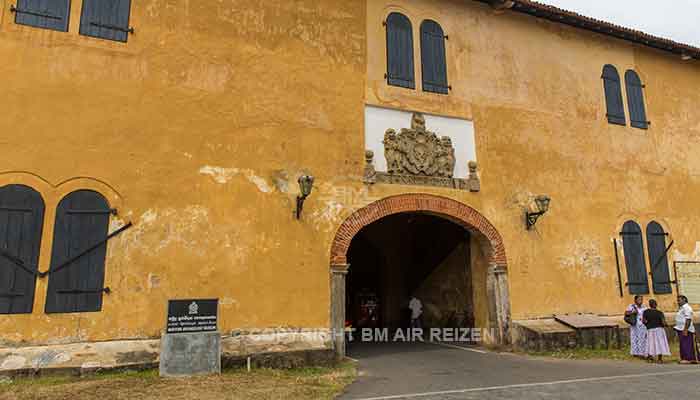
x=418 y=151
x=417 y=156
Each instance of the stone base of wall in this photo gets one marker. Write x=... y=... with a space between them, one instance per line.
x=289 y=348
x=550 y=335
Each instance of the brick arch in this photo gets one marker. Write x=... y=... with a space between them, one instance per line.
x=453 y=210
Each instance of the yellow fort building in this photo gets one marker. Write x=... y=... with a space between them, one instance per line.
x=312 y=164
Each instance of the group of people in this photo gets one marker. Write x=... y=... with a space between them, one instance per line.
x=648 y=334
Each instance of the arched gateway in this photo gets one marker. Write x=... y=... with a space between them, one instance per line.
x=479 y=228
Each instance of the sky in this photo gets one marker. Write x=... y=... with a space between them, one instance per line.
x=677 y=20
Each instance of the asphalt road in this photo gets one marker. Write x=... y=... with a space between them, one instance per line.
x=431 y=371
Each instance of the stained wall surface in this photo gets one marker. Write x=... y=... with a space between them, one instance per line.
x=198 y=127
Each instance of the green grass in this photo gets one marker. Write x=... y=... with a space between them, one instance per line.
x=600 y=354
x=260 y=383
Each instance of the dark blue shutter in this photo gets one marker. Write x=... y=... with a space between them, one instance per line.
x=47 y=14
x=399 y=51
x=82 y=220
x=21 y=223
x=658 y=259
x=433 y=57
x=106 y=19
x=635 y=100
x=633 y=246
x=613 y=96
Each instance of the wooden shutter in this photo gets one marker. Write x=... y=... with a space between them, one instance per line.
x=106 y=19
x=658 y=259
x=21 y=223
x=433 y=57
x=47 y=14
x=82 y=220
x=633 y=246
x=399 y=51
x=613 y=96
x=635 y=100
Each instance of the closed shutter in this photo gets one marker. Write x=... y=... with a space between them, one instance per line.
x=47 y=14
x=613 y=96
x=399 y=51
x=82 y=219
x=633 y=246
x=658 y=259
x=433 y=57
x=21 y=222
x=635 y=100
x=106 y=19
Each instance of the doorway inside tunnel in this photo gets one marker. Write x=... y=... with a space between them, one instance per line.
x=409 y=255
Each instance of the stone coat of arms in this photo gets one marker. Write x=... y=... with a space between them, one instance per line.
x=418 y=151
x=417 y=156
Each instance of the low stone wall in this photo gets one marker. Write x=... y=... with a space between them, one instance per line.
x=279 y=348
x=549 y=334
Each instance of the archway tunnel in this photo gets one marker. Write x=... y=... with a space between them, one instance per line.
x=415 y=255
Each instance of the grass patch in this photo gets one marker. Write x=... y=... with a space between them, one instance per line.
x=302 y=384
x=601 y=354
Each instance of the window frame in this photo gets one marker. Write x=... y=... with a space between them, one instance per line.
x=67 y=245
x=430 y=59
x=23 y=11
x=406 y=82
x=635 y=100
x=84 y=30
x=611 y=77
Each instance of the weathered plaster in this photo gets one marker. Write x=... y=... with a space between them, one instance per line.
x=197 y=129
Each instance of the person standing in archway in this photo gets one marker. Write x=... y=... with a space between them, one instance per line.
x=416 y=311
x=638 y=332
x=686 y=331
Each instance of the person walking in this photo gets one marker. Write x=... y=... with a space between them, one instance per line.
x=686 y=331
x=416 y=311
x=657 y=342
x=638 y=332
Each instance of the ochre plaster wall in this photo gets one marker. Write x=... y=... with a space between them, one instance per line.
x=534 y=91
x=198 y=128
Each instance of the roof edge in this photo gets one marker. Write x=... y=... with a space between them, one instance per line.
x=565 y=17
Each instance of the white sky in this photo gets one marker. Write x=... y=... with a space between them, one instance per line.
x=677 y=20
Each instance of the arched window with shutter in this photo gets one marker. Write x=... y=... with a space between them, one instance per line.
x=21 y=223
x=399 y=51
x=613 y=96
x=106 y=19
x=433 y=57
x=635 y=100
x=658 y=258
x=76 y=274
x=46 y=14
x=633 y=246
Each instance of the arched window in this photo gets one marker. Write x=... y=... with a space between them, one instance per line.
x=633 y=245
x=51 y=14
x=658 y=258
x=635 y=100
x=399 y=51
x=21 y=223
x=433 y=57
x=106 y=19
x=613 y=96
x=76 y=274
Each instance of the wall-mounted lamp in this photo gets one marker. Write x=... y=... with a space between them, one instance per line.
x=542 y=203
x=306 y=183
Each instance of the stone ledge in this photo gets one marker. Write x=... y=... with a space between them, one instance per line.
x=285 y=348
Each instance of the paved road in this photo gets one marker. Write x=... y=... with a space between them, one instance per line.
x=429 y=371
